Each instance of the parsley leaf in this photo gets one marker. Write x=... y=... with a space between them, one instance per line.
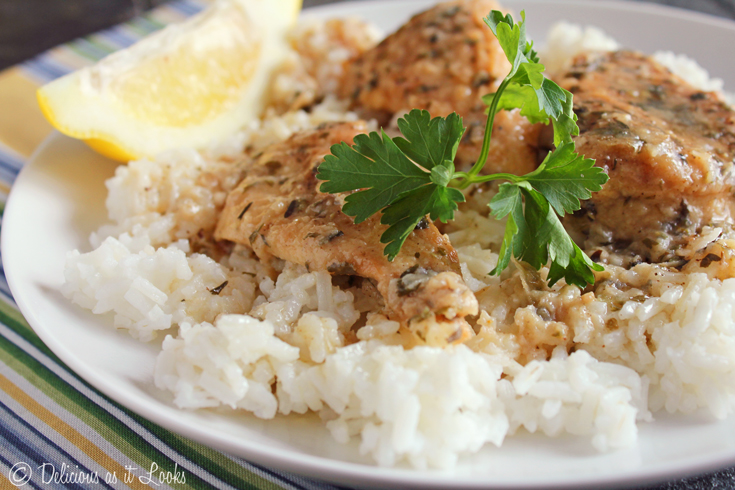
x=429 y=142
x=413 y=175
x=535 y=235
x=512 y=39
x=540 y=99
x=374 y=164
x=405 y=213
x=566 y=177
x=405 y=177
x=577 y=272
x=509 y=202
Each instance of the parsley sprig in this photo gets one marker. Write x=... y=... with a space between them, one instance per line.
x=413 y=175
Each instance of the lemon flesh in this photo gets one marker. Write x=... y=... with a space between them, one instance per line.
x=191 y=84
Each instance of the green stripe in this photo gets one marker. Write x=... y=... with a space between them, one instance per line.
x=142 y=26
x=96 y=47
x=226 y=469
x=122 y=438
x=223 y=467
x=82 y=49
x=13 y=319
x=150 y=22
x=99 y=42
x=117 y=433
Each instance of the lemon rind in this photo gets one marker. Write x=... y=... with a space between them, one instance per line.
x=66 y=103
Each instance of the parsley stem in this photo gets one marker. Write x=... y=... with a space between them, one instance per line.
x=482 y=159
x=487 y=178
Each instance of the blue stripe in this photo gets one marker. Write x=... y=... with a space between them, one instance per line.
x=58 y=373
x=7 y=176
x=119 y=36
x=5 y=294
x=10 y=161
x=10 y=165
x=186 y=7
x=54 y=67
x=32 y=71
x=38 y=449
x=44 y=69
x=8 y=463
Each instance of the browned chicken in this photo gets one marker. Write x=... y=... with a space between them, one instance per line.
x=667 y=147
x=444 y=60
x=278 y=211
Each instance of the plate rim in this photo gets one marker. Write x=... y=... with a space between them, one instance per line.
x=318 y=466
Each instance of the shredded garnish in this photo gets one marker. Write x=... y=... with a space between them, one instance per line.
x=413 y=175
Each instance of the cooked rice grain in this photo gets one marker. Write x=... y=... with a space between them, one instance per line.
x=244 y=335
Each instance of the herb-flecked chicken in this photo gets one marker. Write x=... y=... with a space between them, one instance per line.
x=444 y=60
x=667 y=147
x=279 y=212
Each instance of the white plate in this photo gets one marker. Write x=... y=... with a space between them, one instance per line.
x=58 y=199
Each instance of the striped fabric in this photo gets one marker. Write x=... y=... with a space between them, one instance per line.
x=56 y=431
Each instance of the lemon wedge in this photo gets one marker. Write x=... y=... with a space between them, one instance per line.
x=191 y=84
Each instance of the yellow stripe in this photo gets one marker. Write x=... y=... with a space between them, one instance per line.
x=5 y=483
x=22 y=126
x=69 y=432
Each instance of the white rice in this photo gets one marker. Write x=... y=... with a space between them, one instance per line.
x=689 y=70
x=691 y=324
x=241 y=335
x=297 y=292
x=154 y=289
x=425 y=405
x=565 y=41
x=233 y=363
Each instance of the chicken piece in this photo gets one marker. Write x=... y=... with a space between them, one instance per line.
x=278 y=211
x=667 y=147
x=444 y=60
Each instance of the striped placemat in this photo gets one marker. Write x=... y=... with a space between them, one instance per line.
x=56 y=431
